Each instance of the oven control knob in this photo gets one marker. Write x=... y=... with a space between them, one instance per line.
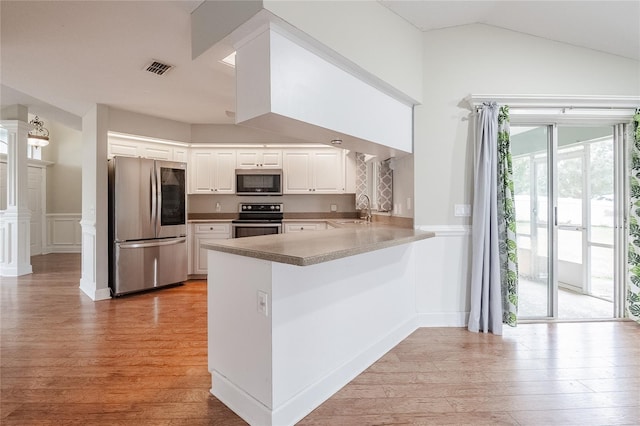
x=248 y=207
x=273 y=207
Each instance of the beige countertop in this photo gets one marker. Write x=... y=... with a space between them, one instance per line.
x=309 y=248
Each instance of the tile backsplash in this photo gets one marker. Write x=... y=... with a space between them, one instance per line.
x=385 y=187
x=361 y=181
x=205 y=203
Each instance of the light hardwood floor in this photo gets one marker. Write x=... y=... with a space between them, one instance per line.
x=141 y=360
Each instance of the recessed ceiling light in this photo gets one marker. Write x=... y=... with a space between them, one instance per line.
x=230 y=60
x=336 y=142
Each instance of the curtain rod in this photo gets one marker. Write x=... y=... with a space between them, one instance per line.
x=557 y=107
x=556 y=101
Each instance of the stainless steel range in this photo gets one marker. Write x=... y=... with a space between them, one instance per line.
x=258 y=219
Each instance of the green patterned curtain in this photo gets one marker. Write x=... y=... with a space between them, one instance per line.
x=507 y=223
x=633 y=286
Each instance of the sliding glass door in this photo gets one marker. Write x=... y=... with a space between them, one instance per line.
x=564 y=191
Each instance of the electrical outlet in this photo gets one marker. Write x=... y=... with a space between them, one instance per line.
x=334 y=207
x=462 y=210
x=218 y=207
x=263 y=303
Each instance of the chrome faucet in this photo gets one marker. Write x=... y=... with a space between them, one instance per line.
x=368 y=216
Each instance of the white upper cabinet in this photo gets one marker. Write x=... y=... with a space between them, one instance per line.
x=122 y=148
x=319 y=171
x=156 y=151
x=212 y=171
x=252 y=158
x=181 y=154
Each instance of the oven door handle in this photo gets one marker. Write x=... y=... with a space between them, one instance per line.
x=258 y=225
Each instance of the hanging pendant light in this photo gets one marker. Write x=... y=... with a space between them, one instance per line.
x=39 y=135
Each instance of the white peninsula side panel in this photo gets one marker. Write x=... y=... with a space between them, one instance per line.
x=324 y=325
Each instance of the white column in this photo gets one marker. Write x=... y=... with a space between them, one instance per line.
x=94 y=281
x=15 y=236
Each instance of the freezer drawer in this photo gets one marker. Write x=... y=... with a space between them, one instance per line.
x=142 y=265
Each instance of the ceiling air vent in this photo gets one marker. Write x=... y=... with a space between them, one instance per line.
x=158 y=68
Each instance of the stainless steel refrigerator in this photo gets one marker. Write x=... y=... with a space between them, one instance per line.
x=147 y=224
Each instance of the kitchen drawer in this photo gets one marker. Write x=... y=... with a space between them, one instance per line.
x=213 y=228
x=305 y=226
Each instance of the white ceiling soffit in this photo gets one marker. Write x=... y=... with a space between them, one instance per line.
x=607 y=26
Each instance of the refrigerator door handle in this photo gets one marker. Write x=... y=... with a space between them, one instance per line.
x=158 y=192
x=135 y=245
x=154 y=201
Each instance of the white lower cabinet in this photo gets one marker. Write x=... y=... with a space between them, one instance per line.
x=204 y=233
x=304 y=226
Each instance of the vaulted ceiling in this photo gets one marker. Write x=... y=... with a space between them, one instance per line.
x=61 y=57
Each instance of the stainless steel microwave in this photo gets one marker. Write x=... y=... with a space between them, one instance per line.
x=259 y=181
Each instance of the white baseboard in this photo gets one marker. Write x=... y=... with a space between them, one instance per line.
x=444 y=319
x=89 y=288
x=296 y=408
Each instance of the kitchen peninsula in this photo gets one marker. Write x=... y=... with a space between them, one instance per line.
x=294 y=317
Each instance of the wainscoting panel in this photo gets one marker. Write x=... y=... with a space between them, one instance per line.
x=64 y=234
x=443 y=268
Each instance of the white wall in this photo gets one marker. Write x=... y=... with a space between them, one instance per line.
x=480 y=59
x=146 y=125
x=64 y=177
x=232 y=134
x=380 y=41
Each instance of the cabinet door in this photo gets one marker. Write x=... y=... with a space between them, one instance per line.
x=155 y=151
x=246 y=159
x=122 y=149
x=224 y=169
x=251 y=158
x=271 y=159
x=206 y=233
x=297 y=172
x=328 y=172
x=200 y=254
x=201 y=181
x=180 y=154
